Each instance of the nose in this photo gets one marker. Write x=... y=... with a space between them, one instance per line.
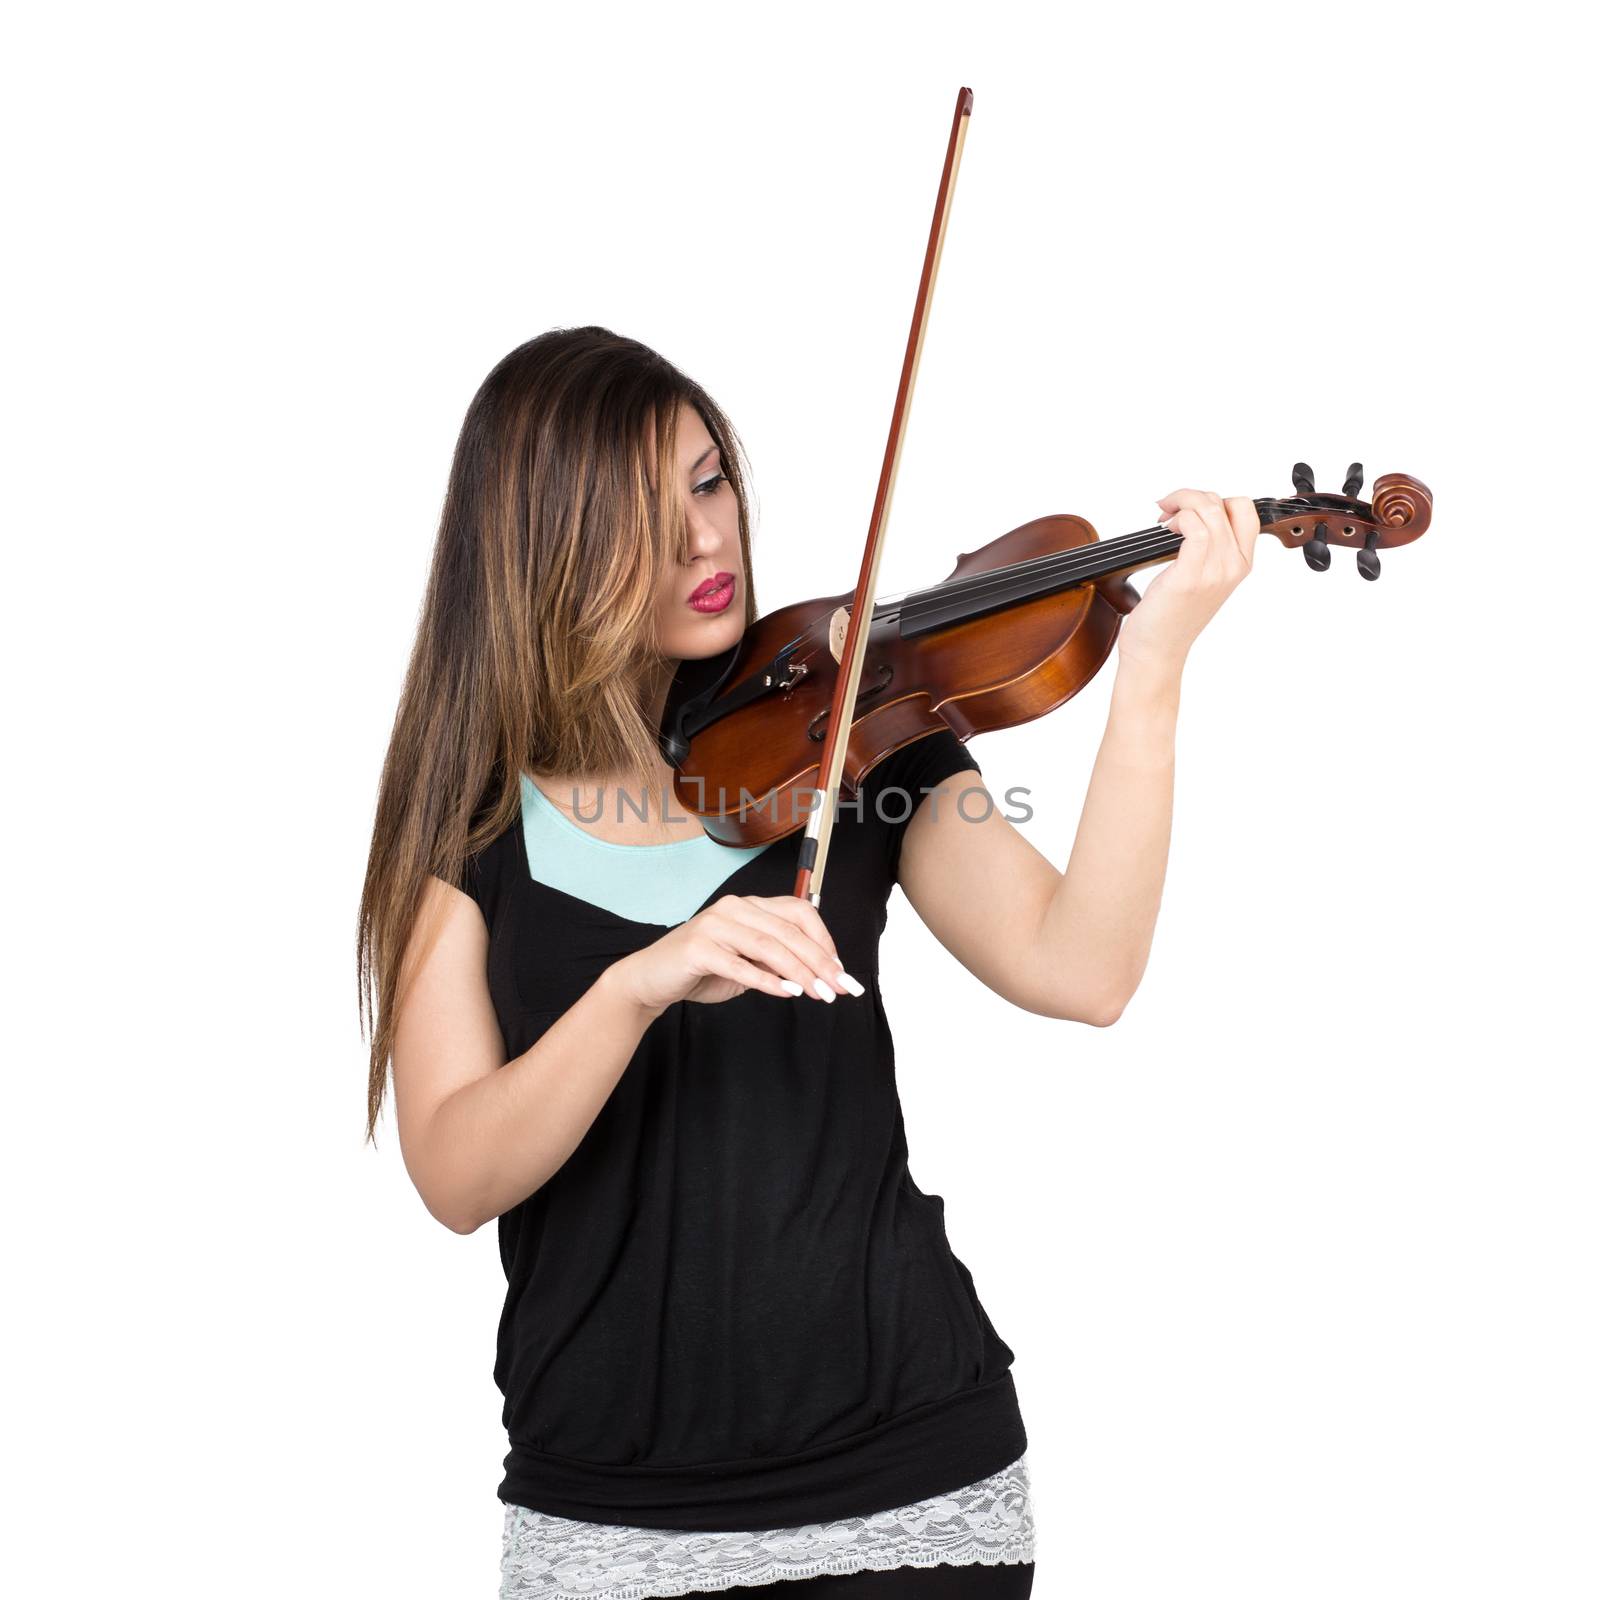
x=704 y=538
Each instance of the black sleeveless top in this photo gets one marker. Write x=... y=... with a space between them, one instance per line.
x=732 y=1307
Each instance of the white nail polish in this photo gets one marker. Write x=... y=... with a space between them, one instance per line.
x=792 y=987
x=824 y=992
x=853 y=985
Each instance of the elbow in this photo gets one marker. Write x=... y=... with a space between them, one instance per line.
x=1075 y=1008
x=457 y=1212
x=1087 y=988
x=1100 y=1010
x=455 y=1217
x=461 y=1222
x=467 y=1211
x=450 y=1189
x=1104 y=1015
x=1104 y=1008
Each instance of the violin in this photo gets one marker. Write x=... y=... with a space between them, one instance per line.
x=1017 y=629
x=764 y=737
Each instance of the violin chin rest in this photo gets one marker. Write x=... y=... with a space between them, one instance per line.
x=691 y=691
x=673 y=747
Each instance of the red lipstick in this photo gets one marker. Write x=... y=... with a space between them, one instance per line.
x=714 y=594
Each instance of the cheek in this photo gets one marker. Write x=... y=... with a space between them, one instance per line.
x=727 y=526
x=665 y=617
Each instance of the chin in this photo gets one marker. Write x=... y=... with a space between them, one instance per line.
x=706 y=638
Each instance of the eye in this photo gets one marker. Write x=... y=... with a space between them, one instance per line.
x=710 y=485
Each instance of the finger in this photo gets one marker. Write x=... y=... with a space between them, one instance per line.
x=758 y=913
x=801 y=913
x=792 y=909
x=1177 y=499
x=714 y=956
x=737 y=969
x=1244 y=517
x=1234 y=545
x=1222 y=546
x=793 y=931
x=1203 y=525
x=1193 y=555
x=748 y=939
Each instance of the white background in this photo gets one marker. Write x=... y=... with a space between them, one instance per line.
x=1298 y=1258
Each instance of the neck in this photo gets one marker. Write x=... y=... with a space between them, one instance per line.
x=961 y=599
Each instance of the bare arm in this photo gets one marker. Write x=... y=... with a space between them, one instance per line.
x=1074 y=944
x=480 y=1133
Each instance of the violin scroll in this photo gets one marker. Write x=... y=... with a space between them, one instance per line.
x=1398 y=512
x=1402 y=502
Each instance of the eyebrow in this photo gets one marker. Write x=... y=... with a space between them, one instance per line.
x=704 y=458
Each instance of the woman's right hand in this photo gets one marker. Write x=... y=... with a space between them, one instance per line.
x=777 y=944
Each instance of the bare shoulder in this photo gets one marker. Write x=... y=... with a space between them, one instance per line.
x=446 y=1032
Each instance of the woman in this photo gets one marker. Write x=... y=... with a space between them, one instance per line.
x=736 y=1347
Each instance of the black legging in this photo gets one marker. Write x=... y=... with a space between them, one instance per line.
x=1010 y=1580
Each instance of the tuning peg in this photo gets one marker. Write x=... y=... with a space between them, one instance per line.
x=1303 y=478
x=1317 y=552
x=1368 y=562
x=1355 y=480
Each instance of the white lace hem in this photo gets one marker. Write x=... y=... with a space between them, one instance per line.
x=545 y=1557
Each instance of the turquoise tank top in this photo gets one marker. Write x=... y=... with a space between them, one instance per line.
x=654 y=883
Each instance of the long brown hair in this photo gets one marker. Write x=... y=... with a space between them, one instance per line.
x=535 y=646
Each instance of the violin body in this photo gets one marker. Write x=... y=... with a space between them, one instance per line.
x=754 y=775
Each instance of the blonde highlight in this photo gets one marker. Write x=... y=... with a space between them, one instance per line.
x=535 y=649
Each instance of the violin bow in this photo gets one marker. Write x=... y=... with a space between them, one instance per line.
x=818 y=829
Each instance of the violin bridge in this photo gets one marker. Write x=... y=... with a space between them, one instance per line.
x=837 y=631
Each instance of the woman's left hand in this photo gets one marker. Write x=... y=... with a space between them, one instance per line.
x=1216 y=555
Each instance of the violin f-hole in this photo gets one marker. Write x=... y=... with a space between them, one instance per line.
x=817 y=729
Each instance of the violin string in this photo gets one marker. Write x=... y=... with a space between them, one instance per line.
x=1073 y=565
x=1041 y=564
x=886 y=610
x=1125 y=550
x=1068 y=567
x=1020 y=568
x=1086 y=558
x=1063 y=568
